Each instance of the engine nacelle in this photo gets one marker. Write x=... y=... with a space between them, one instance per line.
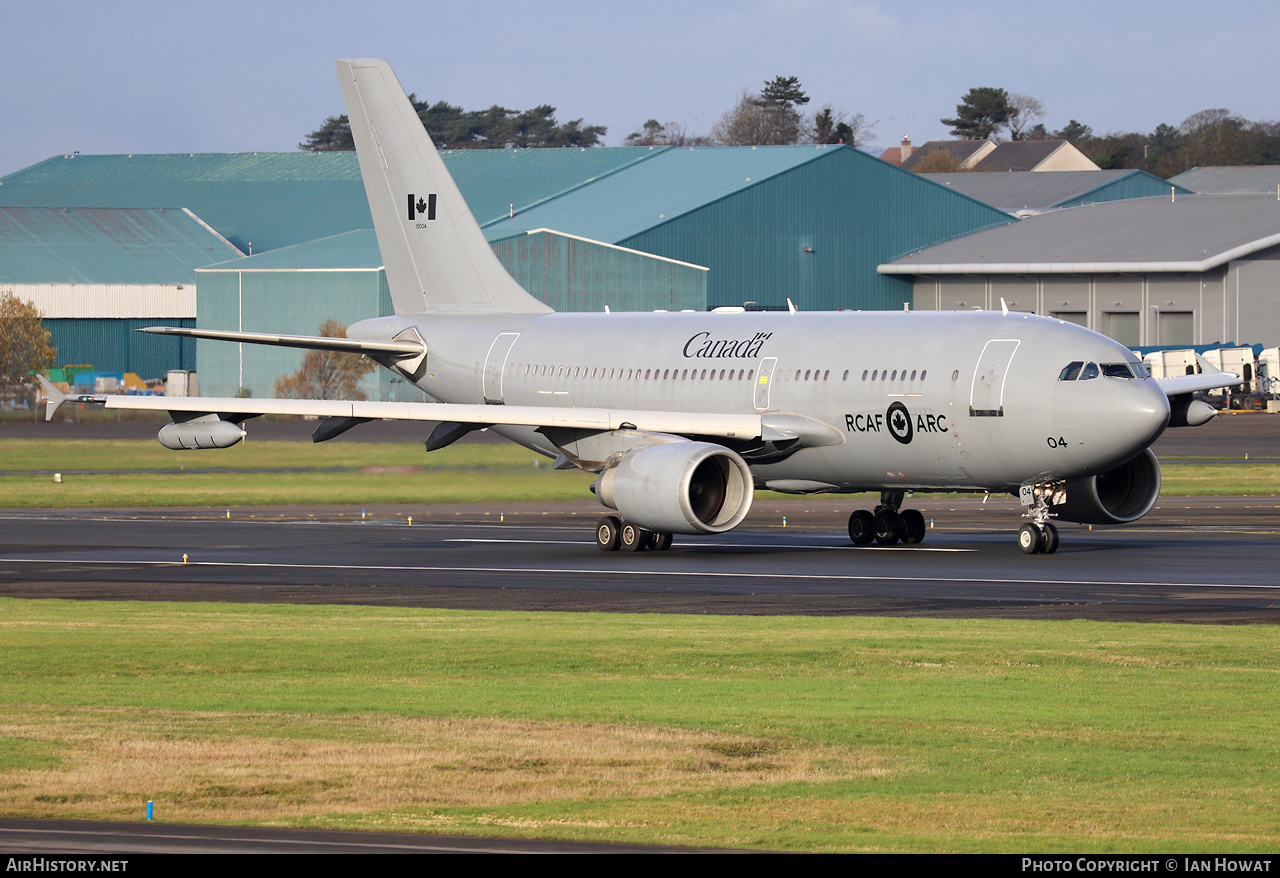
x=206 y=431
x=682 y=488
x=1186 y=411
x=1117 y=496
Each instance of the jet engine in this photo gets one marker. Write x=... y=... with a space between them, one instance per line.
x=206 y=431
x=682 y=487
x=1117 y=496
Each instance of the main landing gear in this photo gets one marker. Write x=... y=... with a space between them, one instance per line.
x=612 y=534
x=887 y=525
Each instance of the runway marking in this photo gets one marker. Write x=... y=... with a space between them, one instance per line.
x=724 y=544
x=701 y=574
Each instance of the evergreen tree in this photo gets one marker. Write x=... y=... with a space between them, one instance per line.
x=980 y=114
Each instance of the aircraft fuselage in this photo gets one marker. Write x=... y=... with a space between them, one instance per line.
x=921 y=400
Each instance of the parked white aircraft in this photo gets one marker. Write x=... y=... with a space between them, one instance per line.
x=684 y=415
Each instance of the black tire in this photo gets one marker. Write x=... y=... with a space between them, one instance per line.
x=861 y=531
x=888 y=527
x=662 y=542
x=912 y=526
x=1030 y=539
x=607 y=534
x=633 y=538
x=1050 y=539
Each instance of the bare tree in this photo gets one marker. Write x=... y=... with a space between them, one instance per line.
x=937 y=161
x=836 y=125
x=655 y=133
x=326 y=374
x=751 y=123
x=25 y=347
x=1024 y=110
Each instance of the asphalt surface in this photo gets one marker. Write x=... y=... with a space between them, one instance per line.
x=1190 y=559
x=118 y=841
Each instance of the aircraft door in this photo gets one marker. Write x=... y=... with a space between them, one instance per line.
x=495 y=364
x=986 y=394
x=763 y=379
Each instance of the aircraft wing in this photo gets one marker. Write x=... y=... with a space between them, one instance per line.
x=1180 y=384
x=729 y=426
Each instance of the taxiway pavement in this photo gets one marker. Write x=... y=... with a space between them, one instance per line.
x=1191 y=559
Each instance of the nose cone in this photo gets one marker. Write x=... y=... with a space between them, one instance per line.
x=1135 y=413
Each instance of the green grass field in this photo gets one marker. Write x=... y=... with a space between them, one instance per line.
x=281 y=473
x=821 y=734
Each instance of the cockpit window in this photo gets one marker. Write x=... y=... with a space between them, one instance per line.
x=1090 y=371
x=1140 y=370
x=1116 y=370
x=1071 y=371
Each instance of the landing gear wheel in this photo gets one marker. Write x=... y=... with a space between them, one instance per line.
x=634 y=539
x=912 y=526
x=1050 y=539
x=887 y=526
x=662 y=542
x=861 y=528
x=607 y=534
x=1030 y=539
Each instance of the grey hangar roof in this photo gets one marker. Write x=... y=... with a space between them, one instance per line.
x=1016 y=191
x=1256 y=179
x=1194 y=233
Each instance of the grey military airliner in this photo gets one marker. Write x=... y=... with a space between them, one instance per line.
x=683 y=415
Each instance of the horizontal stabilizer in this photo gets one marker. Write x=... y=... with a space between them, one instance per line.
x=412 y=348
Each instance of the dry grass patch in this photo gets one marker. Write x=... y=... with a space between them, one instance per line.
x=275 y=767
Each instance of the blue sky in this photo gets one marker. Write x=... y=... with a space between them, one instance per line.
x=235 y=76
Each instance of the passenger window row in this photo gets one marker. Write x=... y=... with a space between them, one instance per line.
x=886 y=375
x=705 y=374
x=634 y=374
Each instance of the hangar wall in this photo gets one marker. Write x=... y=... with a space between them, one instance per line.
x=1239 y=302
x=816 y=233
x=295 y=301
x=571 y=273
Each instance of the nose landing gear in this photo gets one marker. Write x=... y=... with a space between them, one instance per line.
x=1040 y=537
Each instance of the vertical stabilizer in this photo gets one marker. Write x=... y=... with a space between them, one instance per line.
x=435 y=254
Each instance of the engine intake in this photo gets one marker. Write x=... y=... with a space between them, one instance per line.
x=1117 y=496
x=683 y=487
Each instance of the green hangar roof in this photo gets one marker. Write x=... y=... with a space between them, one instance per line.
x=496 y=181
x=258 y=201
x=671 y=184
x=356 y=250
x=771 y=223
x=263 y=201
x=43 y=245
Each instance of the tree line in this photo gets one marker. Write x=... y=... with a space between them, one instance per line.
x=777 y=114
x=1207 y=138
x=455 y=128
x=772 y=116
